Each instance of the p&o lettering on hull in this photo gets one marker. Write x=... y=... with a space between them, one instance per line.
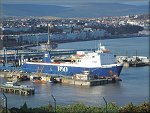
x=62 y=69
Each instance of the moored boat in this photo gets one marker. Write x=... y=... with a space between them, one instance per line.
x=99 y=63
x=42 y=80
x=39 y=77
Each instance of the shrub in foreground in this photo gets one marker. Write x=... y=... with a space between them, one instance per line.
x=82 y=108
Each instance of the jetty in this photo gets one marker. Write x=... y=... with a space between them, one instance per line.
x=13 y=87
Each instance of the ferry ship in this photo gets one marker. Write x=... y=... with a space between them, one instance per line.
x=99 y=63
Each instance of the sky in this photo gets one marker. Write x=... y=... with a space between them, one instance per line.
x=63 y=2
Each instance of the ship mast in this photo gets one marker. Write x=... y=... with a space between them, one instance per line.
x=49 y=33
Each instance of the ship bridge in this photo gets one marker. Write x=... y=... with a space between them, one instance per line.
x=107 y=58
x=95 y=59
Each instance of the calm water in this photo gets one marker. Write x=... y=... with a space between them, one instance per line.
x=134 y=86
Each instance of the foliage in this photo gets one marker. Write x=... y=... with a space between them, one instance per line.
x=82 y=108
x=124 y=29
x=130 y=108
x=78 y=108
x=25 y=109
x=112 y=108
x=144 y=108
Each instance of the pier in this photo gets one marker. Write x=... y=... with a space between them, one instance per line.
x=10 y=87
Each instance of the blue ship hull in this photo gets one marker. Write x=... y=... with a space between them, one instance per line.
x=70 y=71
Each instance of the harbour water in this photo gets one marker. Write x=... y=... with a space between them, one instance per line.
x=134 y=86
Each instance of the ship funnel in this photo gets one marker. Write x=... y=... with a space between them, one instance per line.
x=102 y=49
x=47 y=57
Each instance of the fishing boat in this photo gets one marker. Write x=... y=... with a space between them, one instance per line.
x=39 y=77
x=99 y=63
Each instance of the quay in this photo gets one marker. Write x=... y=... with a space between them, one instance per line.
x=11 y=87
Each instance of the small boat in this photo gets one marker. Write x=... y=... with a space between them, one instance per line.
x=23 y=78
x=41 y=79
x=17 y=76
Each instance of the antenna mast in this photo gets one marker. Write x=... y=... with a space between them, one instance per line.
x=49 y=32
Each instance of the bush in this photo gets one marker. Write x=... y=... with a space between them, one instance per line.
x=144 y=108
x=78 y=108
x=81 y=108
x=130 y=108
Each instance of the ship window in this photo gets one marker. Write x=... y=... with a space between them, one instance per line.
x=79 y=60
x=94 y=61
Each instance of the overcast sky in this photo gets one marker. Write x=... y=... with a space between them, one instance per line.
x=59 y=2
